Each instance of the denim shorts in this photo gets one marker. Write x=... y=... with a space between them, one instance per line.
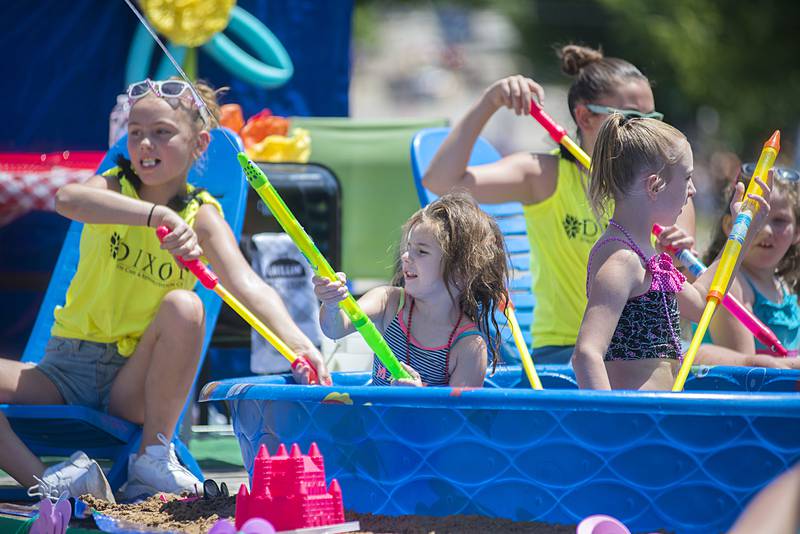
x=83 y=371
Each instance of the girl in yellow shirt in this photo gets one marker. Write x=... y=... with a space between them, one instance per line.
x=129 y=336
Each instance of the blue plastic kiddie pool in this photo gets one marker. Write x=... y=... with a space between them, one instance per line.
x=685 y=462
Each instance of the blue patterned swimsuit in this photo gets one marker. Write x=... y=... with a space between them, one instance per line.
x=649 y=326
x=783 y=318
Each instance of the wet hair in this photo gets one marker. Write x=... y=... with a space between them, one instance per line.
x=625 y=149
x=595 y=76
x=474 y=264
x=788 y=268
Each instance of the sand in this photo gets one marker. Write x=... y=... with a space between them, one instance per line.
x=197 y=517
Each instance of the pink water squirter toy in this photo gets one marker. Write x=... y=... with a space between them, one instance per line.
x=759 y=330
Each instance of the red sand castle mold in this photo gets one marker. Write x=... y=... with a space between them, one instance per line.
x=289 y=491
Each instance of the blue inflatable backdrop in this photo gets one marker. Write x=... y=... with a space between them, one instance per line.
x=63 y=64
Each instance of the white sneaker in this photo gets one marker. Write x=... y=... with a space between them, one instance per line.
x=158 y=470
x=74 y=477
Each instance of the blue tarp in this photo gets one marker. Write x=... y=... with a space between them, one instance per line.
x=63 y=64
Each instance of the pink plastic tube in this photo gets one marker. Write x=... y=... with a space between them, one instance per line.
x=737 y=309
x=556 y=131
x=559 y=134
x=197 y=267
x=210 y=281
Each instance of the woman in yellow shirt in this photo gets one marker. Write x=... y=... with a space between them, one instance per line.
x=129 y=336
x=552 y=187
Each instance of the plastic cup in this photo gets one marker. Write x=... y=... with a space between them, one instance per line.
x=601 y=524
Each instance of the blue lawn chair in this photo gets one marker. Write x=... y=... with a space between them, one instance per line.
x=509 y=218
x=60 y=430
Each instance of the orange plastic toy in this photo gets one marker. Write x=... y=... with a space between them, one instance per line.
x=261 y=125
x=231 y=117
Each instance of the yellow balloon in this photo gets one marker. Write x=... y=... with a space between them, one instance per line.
x=188 y=22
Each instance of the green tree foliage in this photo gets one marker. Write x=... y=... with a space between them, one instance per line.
x=740 y=58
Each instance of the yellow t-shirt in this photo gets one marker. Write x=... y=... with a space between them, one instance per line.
x=121 y=278
x=562 y=230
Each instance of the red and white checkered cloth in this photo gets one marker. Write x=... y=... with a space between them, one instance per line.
x=30 y=181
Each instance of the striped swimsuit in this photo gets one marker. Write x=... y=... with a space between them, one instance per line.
x=430 y=362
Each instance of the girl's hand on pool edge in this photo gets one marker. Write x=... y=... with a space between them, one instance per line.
x=414 y=381
x=301 y=372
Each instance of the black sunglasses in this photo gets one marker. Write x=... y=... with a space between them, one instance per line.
x=211 y=490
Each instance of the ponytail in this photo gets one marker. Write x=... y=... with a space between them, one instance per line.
x=626 y=148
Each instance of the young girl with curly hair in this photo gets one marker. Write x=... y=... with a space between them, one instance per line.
x=450 y=279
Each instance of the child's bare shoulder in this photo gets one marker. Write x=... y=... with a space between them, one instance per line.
x=615 y=255
x=389 y=299
x=394 y=298
x=472 y=343
x=616 y=267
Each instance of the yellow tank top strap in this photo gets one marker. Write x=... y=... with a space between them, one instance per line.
x=402 y=300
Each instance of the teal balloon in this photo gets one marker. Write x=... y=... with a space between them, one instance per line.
x=272 y=68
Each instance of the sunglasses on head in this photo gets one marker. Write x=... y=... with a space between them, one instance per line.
x=627 y=113
x=785 y=174
x=165 y=89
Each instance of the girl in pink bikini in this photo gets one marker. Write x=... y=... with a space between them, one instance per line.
x=630 y=334
x=436 y=318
